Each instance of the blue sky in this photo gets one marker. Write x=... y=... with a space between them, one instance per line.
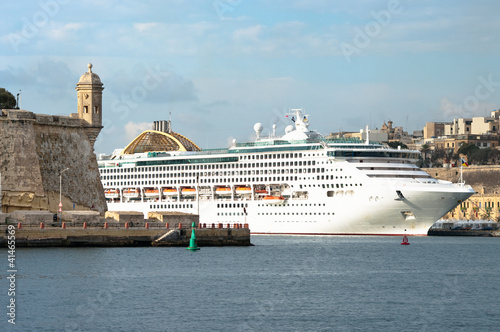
x=220 y=66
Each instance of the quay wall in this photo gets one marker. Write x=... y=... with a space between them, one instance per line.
x=122 y=237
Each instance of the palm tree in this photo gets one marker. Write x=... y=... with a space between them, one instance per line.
x=425 y=149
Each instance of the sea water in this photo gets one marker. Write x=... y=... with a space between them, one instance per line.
x=314 y=283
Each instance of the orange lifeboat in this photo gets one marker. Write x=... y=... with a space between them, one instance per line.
x=112 y=193
x=224 y=191
x=188 y=191
x=151 y=192
x=273 y=199
x=170 y=192
x=131 y=193
x=243 y=190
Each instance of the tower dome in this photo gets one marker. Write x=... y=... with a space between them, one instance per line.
x=89 y=77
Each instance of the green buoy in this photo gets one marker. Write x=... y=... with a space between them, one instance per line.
x=192 y=241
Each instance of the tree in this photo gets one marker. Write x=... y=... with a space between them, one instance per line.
x=424 y=150
x=467 y=149
x=438 y=155
x=7 y=99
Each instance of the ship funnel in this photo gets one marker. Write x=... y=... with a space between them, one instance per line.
x=163 y=126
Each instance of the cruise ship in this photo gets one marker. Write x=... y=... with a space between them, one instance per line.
x=298 y=183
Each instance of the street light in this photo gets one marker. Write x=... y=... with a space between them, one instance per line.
x=60 y=194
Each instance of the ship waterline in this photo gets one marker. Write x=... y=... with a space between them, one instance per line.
x=299 y=183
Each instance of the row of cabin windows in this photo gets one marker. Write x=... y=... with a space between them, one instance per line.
x=272 y=156
x=222 y=173
x=209 y=166
x=171 y=206
x=230 y=180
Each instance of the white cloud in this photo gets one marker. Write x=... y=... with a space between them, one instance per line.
x=65 y=31
x=248 y=34
x=146 y=27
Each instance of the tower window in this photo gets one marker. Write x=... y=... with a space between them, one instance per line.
x=85 y=109
x=96 y=109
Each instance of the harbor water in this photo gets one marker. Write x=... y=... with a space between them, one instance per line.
x=321 y=283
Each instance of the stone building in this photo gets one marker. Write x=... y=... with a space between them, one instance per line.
x=41 y=154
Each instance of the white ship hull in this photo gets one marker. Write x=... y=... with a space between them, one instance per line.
x=355 y=215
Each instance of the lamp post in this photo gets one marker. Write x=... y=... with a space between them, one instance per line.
x=60 y=194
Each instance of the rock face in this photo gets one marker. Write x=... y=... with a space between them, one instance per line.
x=35 y=148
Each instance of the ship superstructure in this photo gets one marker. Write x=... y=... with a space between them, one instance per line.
x=299 y=183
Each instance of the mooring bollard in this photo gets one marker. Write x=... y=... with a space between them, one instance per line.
x=42 y=226
x=84 y=225
x=180 y=225
x=19 y=225
x=63 y=225
x=147 y=225
x=166 y=225
x=105 y=225
x=126 y=225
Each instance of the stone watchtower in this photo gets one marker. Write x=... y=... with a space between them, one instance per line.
x=89 y=90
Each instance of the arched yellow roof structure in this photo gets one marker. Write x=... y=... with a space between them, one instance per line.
x=158 y=141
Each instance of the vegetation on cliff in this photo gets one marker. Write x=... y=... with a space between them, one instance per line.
x=7 y=99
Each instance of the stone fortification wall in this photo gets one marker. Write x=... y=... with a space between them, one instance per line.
x=34 y=149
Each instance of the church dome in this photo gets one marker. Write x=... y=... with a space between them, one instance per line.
x=90 y=77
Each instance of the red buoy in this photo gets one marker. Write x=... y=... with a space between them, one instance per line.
x=42 y=226
x=147 y=225
x=126 y=225
x=166 y=225
x=405 y=241
x=84 y=225
x=105 y=225
x=63 y=225
x=19 y=225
